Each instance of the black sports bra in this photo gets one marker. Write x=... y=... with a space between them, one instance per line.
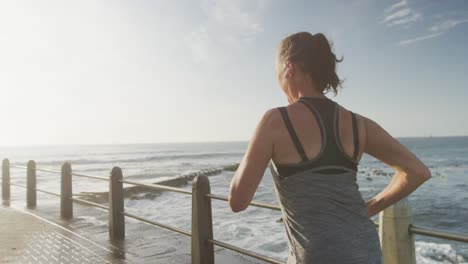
x=331 y=152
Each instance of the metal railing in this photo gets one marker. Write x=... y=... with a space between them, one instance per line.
x=395 y=223
x=438 y=234
x=157 y=186
x=202 y=242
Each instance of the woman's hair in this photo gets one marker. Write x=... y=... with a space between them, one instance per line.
x=314 y=55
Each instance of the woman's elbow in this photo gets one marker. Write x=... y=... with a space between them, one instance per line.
x=236 y=205
x=424 y=174
x=236 y=208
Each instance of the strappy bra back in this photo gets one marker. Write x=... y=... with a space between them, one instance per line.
x=331 y=153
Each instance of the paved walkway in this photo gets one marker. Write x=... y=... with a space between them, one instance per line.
x=25 y=238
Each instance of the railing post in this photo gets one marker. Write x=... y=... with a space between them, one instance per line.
x=6 y=180
x=66 y=192
x=116 y=205
x=202 y=226
x=31 y=196
x=396 y=241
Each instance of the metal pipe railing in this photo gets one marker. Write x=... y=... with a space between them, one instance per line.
x=37 y=169
x=18 y=167
x=59 y=172
x=47 y=170
x=47 y=192
x=90 y=177
x=396 y=223
x=157 y=186
x=438 y=233
x=18 y=185
x=78 y=200
x=180 y=231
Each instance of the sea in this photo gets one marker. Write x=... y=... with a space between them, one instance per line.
x=441 y=203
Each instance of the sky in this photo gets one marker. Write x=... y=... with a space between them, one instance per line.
x=111 y=72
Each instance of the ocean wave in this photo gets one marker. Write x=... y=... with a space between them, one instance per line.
x=434 y=253
x=93 y=220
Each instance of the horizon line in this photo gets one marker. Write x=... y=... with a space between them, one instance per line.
x=180 y=142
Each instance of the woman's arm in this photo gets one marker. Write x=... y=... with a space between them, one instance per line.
x=410 y=171
x=253 y=165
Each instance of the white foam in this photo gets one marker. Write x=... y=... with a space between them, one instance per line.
x=93 y=220
x=434 y=253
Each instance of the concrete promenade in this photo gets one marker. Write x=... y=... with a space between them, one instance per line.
x=26 y=237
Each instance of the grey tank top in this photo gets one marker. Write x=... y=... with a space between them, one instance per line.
x=323 y=211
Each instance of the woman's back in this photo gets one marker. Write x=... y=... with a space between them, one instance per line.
x=315 y=181
x=307 y=128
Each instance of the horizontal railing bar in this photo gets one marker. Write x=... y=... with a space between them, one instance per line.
x=83 y=195
x=438 y=233
x=37 y=169
x=89 y=203
x=258 y=204
x=47 y=170
x=18 y=185
x=245 y=252
x=90 y=177
x=157 y=186
x=157 y=224
x=47 y=192
x=55 y=171
x=18 y=167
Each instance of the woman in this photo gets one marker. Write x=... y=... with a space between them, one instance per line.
x=316 y=145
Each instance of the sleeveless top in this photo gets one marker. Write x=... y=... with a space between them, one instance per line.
x=324 y=214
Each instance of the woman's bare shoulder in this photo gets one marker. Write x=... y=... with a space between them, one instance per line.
x=272 y=118
x=361 y=123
